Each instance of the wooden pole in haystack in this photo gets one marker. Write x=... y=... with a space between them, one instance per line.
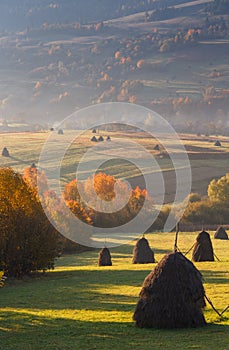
x=176 y=238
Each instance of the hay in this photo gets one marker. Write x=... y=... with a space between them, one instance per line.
x=105 y=257
x=203 y=250
x=108 y=138
x=94 y=139
x=142 y=253
x=94 y=131
x=217 y=143
x=5 y=152
x=172 y=295
x=156 y=148
x=220 y=233
x=100 y=138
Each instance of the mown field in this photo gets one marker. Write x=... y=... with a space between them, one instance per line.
x=82 y=306
x=207 y=161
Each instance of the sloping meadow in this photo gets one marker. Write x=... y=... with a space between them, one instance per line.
x=82 y=305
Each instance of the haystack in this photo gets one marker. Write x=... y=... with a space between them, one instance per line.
x=108 y=138
x=217 y=143
x=60 y=132
x=33 y=165
x=156 y=148
x=94 y=139
x=105 y=257
x=221 y=233
x=5 y=152
x=100 y=138
x=142 y=253
x=203 y=250
x=172 y=295
x=94 y=131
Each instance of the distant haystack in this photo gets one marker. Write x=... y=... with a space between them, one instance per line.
x=156 y=148
x=94 y=131
x=203 y=250
x=217 y=143
x=94 y=139
x=5 y=152
x=51 y=129
x=108 y=138
x=60 y=132
x=220 y=233
x=142 y=253
x=105 y=257
x=100 y=138
x=33 y=165
x=172 y=295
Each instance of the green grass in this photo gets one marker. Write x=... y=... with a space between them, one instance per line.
x=82 y=306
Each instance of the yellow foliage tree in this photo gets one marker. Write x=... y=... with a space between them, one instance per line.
x=27 y=239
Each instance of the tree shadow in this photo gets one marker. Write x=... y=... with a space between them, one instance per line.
x=24 y=331
x=215 y=277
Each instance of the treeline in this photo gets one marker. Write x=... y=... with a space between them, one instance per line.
x=29 y=243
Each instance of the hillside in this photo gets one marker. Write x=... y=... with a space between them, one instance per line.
x=58 y=57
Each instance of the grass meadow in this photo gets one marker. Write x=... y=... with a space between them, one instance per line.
x=79 y=305
x=207 y=161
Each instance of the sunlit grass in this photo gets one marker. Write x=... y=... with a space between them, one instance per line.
x=81 y=305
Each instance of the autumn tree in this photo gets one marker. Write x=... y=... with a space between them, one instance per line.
x=106 y=201
x=35 y=178
x=218 y=190
x=28 y=242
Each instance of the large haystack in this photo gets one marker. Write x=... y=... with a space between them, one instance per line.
x=142 y=253
x=172 y=295
x=221 y=233
x=105 y=257
x=203 y=250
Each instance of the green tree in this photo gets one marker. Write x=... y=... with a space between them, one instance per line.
x=28 y=242
x=218 y=190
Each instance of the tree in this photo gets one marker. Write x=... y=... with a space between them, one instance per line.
x=218 y=190
x=28 y=242
x=35 y=178
x=106 y=188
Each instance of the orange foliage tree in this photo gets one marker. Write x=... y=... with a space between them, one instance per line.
x=34 y=178
x=105 y=187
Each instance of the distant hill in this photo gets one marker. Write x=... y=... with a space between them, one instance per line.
x=57 y=56
x=18 y=15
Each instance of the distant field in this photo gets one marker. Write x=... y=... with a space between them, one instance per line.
x=82 y=306
x=207 y=161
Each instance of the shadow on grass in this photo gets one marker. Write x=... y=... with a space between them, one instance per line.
x=84 y=289
x=23 y=331
x=215 y=277
x=77 y=289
